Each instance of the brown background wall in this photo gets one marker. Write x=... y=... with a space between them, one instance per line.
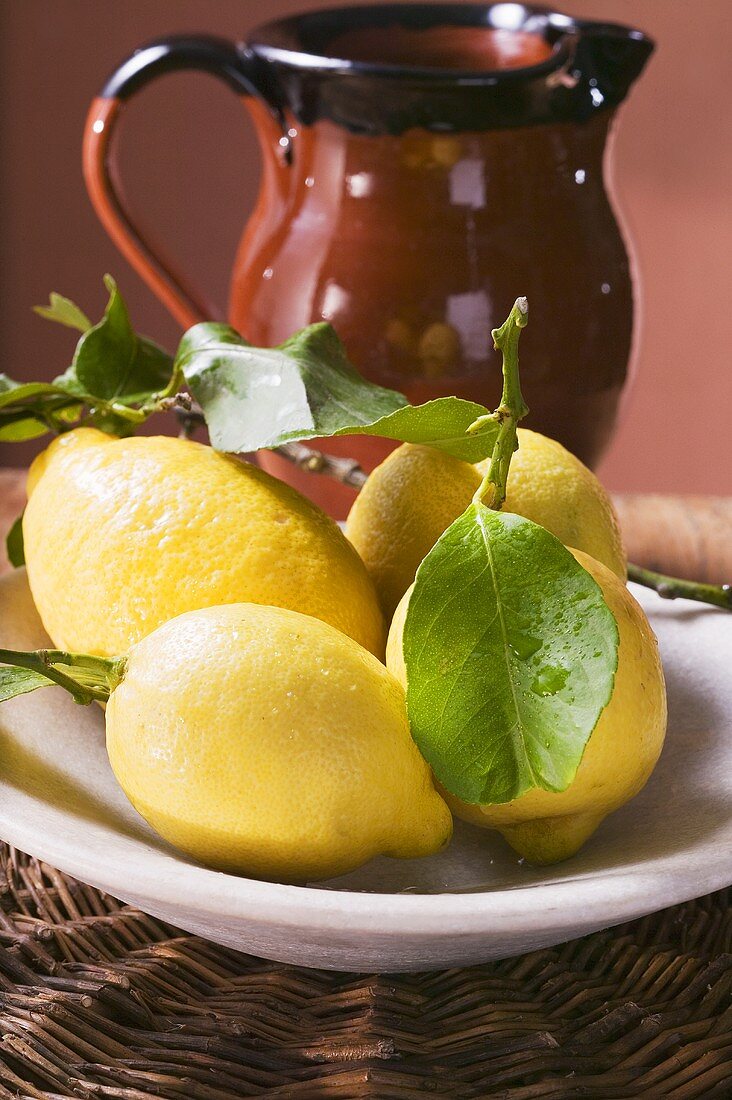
x=191 y=164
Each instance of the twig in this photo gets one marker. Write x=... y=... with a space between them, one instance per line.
x=512 y=409
x=674 y=588
x=345 y=470
x=188 y=414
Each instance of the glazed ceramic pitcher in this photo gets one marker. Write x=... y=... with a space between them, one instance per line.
x=424 y=164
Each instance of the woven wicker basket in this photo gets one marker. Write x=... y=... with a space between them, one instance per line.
x=99 y=999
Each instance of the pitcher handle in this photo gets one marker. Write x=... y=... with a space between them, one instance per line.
x=239 y=68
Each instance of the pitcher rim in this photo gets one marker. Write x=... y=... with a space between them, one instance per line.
x=566 y=30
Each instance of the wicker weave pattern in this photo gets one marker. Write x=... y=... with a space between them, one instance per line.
x=99 y=999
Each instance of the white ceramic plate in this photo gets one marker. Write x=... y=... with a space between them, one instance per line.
x=59 y=801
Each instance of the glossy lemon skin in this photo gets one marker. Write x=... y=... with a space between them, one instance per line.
x=549 y=485
x=264 y=742
x=546 y=826
x=123 y=534
x=404 y=507
x=417 y=492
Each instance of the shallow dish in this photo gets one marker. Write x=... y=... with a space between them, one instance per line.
x=476 y=901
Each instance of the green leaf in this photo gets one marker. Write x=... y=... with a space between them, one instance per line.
x=510 y=653
x=14 y=545
x=19 y=681
x=113 y=370
x=64 y=311
x=112 y=363
x=30 y=409
x=306 y=388
x=18 y=430
x=441 y=423
x=15 y=393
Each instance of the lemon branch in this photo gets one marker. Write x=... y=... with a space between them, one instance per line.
x=165 y=399
x=512 y=409
x=84 y=676
x=674 y=588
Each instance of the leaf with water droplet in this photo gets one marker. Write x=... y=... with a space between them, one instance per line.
x=501 y=644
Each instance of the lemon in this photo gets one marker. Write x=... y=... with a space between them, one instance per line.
x=548 y=826
x=264 y=742
x=404 y=507
x=123 y=534
x=549 y=485
x=417 y=492
x=62 y=444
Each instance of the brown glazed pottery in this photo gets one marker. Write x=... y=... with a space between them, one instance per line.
x=424 y=164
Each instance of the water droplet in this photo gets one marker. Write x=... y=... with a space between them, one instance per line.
x=524 y=646
x=549 y=680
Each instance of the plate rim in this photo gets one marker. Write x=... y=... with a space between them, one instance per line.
x=233 y=897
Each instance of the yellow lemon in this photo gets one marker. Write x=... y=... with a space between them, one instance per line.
x=416 y=493
x=61 y=445
x=549 y=485
x=264 y=742
x=404 y=507
x=123 y=534
x=547 y=826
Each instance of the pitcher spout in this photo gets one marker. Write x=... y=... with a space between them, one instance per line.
x=607 y=60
